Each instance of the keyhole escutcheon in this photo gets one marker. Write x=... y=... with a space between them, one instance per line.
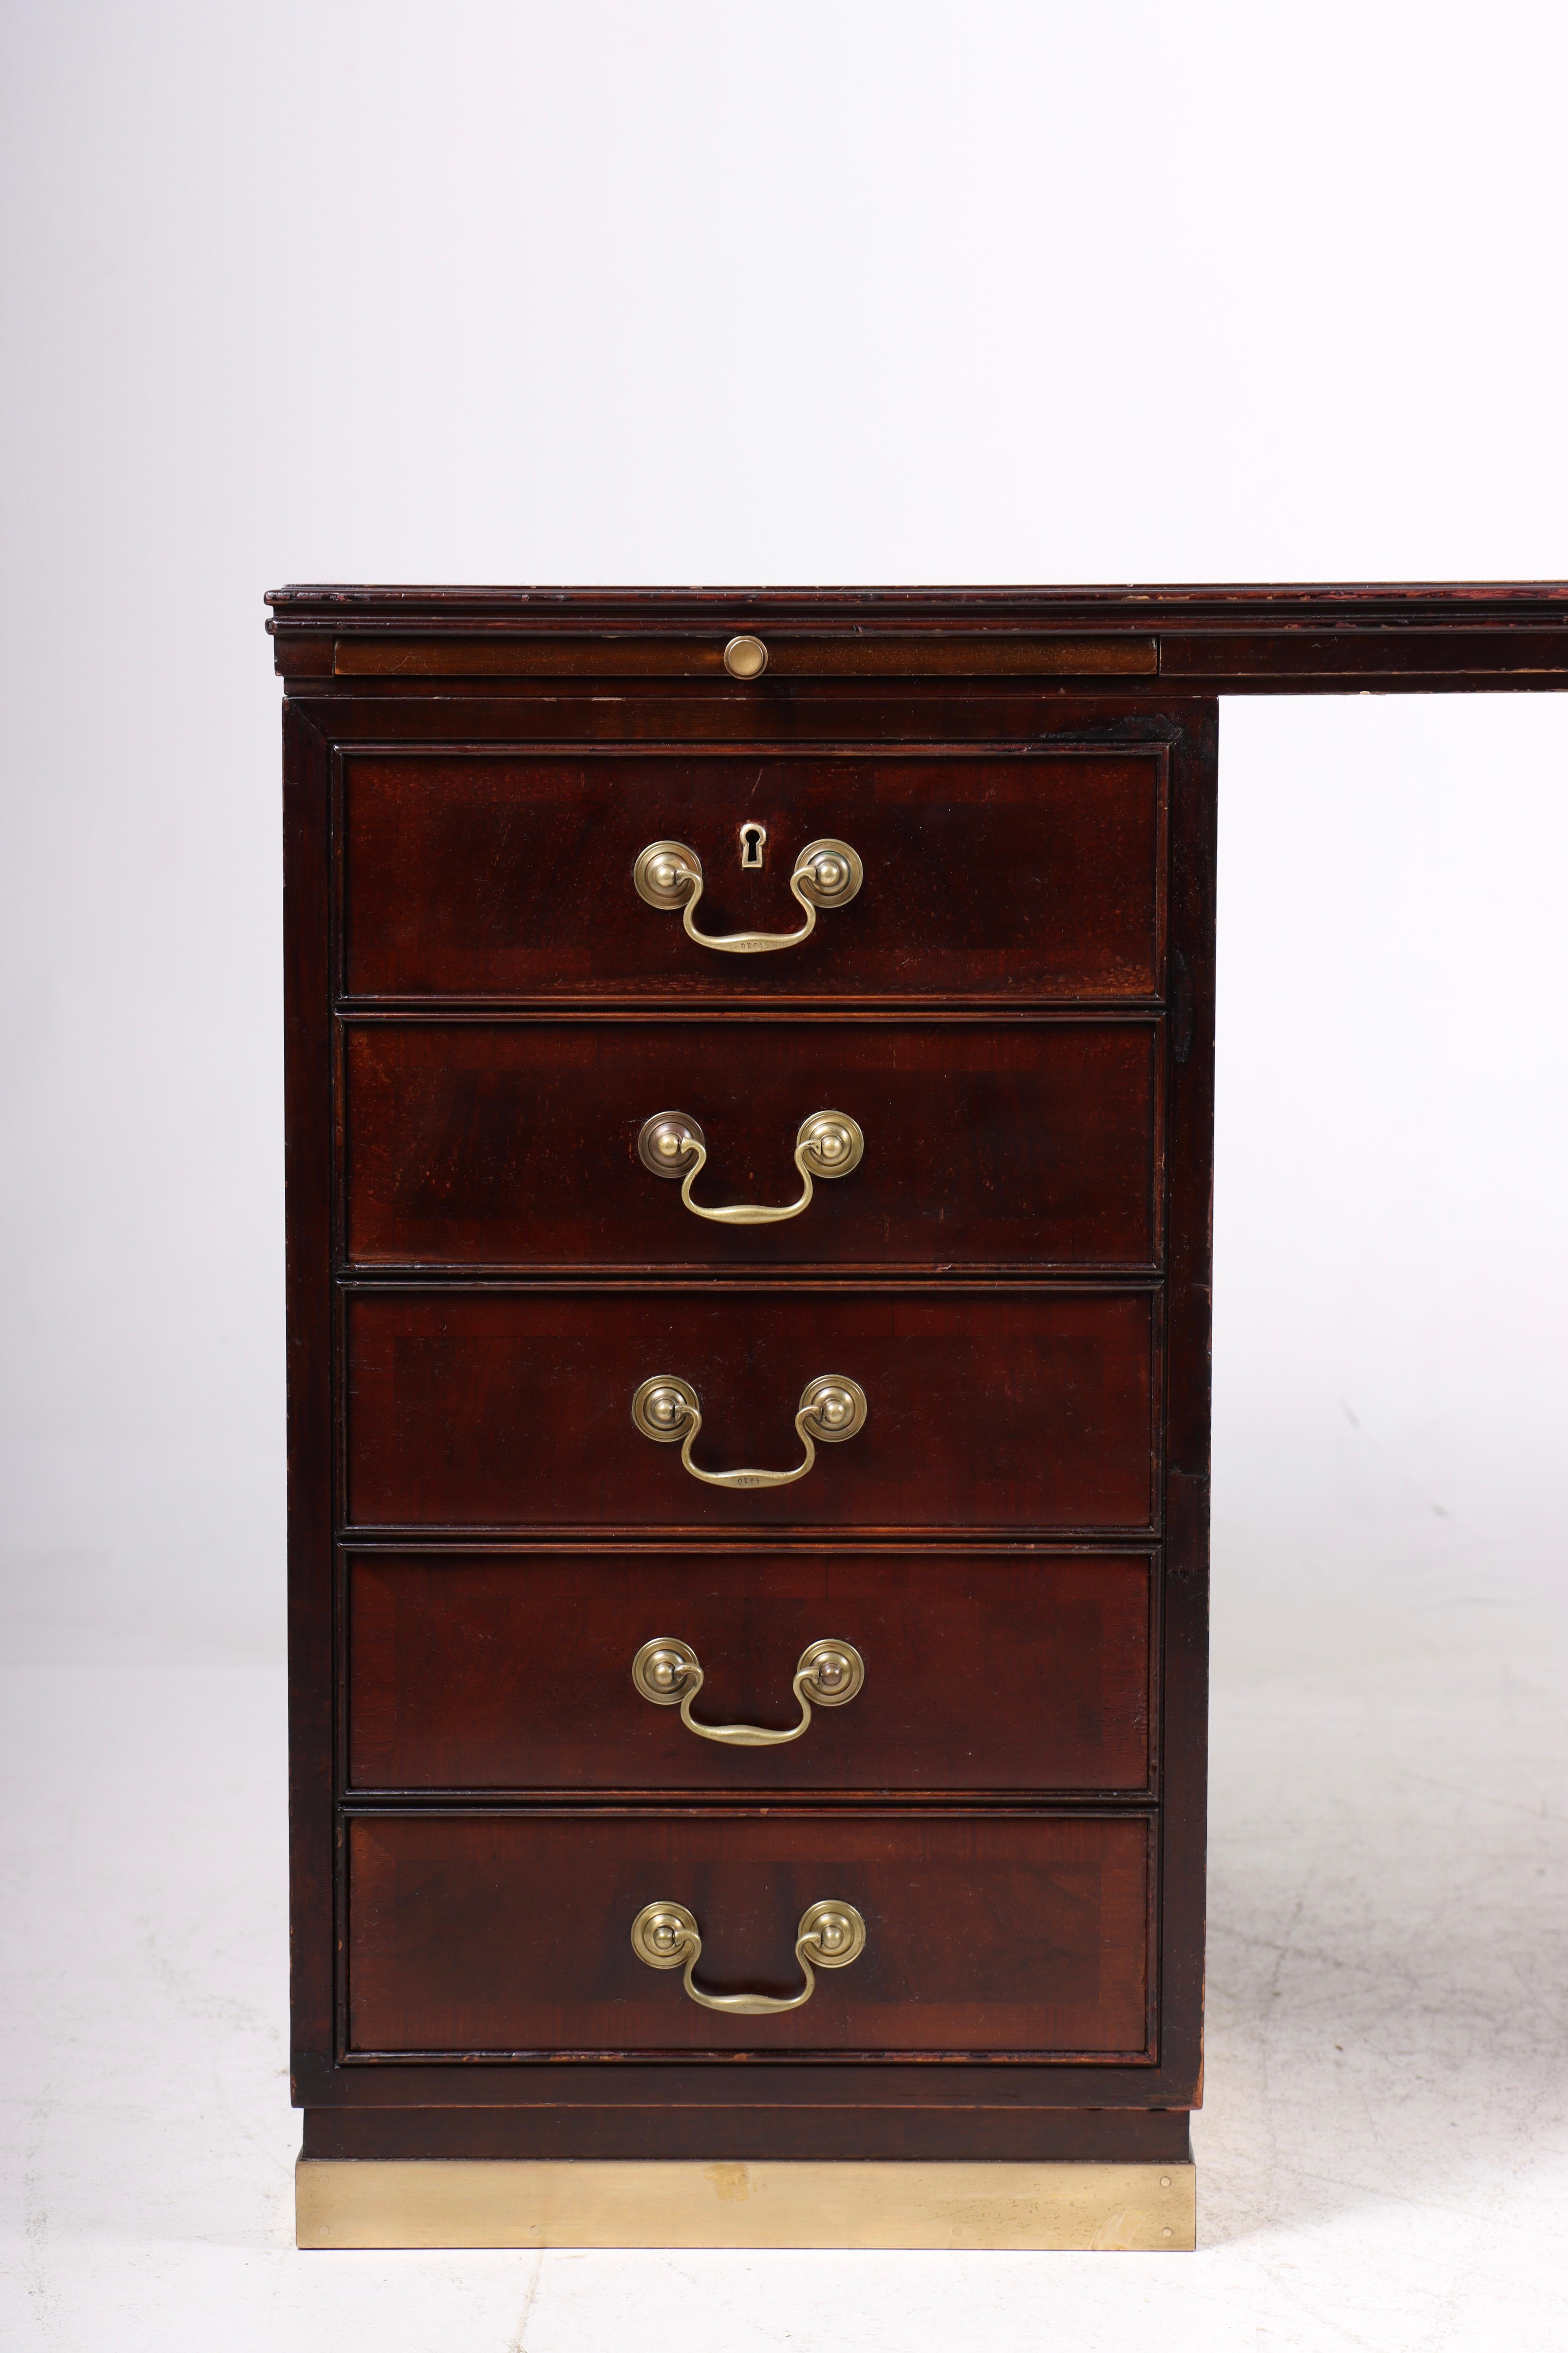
x=752 y=838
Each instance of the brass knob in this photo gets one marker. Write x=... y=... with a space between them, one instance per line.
x=834 y=1932
x=666 y=873
x=661 y=1933
x=829 y=873
x=669 y=1142
x=835 y=1406
x=662 y=1669
x=668 y=1672
x=668 y=1409
x=662 y=1407
x=831 y=1934
x=745 y=658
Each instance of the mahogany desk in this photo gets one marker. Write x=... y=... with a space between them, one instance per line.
x=750 y=1067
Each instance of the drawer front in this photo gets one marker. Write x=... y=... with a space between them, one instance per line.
x=1003 y=1410
x=514 y=1671
x=511 y=1935
x=1002 y=875
x=515 y=1144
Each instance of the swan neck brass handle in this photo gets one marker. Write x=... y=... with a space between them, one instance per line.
x=828 y=873
x=671 y=1143
x=668 y=1409
x=830 y=1936
x=667 y=1670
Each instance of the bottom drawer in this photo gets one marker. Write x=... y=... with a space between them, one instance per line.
x=509 y=1936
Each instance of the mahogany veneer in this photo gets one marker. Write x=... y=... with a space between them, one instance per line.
x=1012 y=1934
x=1032 y=1143
x=1012 y=875
x=511 y=1670
x=1014 y=1409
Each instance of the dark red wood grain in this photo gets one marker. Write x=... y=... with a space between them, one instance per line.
x=514 y=1144
x=308 y=1167
x=975 y=655
x=496 y=1933
x=679 y=2126
x=1188 y=1324
x=512 y=1671
x=1010 y=876
x=988 y=1410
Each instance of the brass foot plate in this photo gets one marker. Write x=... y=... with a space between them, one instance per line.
x=561 y=2202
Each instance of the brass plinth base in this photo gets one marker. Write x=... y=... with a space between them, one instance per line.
x=573 y=2202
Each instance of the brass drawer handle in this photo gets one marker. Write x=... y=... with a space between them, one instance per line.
x=831 y=1934
x=668 y=1410
x=671 y=1143
x=668 y=1672
x=827 y=874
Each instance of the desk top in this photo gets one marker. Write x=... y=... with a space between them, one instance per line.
x=1339 y=638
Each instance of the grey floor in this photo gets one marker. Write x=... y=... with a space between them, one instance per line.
x=1384 y=2153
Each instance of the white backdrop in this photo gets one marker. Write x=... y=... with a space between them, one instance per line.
x=689 y=293
x=366 y=289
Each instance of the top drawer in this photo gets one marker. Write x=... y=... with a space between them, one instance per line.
x=1010 y=875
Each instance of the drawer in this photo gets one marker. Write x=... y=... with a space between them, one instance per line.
x=511 y=1935
x=1002 y=875
x=513 y=1672
x=511 y=1144
x=1029 y=1408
